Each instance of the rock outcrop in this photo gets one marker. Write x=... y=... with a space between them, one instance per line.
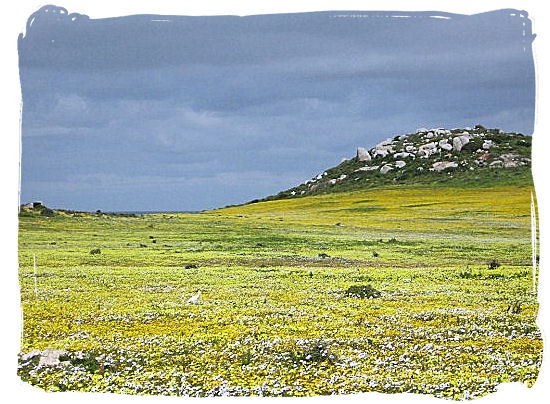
x=439 y=152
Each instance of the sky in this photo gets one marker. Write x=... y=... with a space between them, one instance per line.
x=174 y=113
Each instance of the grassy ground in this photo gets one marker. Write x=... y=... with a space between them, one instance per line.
x=274 y=317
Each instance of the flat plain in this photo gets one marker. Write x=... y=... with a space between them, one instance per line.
x=452 y=313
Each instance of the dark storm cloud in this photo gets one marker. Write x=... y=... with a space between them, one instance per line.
x=232 y=108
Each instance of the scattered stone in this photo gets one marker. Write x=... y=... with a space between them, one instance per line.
x=386 y=169
x=443 y=165
x=487 y=144
x=510 y=160
x=400 y=164
x=428 y=146
x=29 y=355
x=381 y=151
x=48 y=357
x=484 y=156
x=368 y=168
x=385 y=143
x=402 y=155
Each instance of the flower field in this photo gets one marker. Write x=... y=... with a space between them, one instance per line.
x=454 y=317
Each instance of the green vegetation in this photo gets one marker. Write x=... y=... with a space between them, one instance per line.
x=276 y=316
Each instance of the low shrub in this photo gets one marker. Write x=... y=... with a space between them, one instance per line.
x=317 y=351
x=363 y=291
x=493 y=264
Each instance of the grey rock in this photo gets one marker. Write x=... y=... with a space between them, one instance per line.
x=441 y=131
x=50 y=357
x=460 y=141
x=431 y=145
x=380 y=151
x=363 y=154
x=443 y=165
x=400 y=164
x=402 y=155
x=487 y=144
x=386 y=169
x=368 y=168
x=30 y=355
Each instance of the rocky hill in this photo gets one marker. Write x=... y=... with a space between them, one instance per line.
x=465 y=157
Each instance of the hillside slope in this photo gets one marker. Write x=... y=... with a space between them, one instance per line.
x=459 y=157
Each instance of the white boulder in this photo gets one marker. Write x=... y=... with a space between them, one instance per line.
x=400 y=164
x=487 y=144
x=368 y=168
x=380 y=151
x=402 y=155
x=363 y=154
x=460 y=141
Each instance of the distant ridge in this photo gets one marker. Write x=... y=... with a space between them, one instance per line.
x=463 y=157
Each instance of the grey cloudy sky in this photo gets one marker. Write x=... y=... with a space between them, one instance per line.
x=177 y=113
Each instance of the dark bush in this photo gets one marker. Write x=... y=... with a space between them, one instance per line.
x=514 y=308
x=362 y=291
x=47 y=212
x=317 y=351
x=467 y=274
x=493 y=264
x=95 y=251
x=246 y=359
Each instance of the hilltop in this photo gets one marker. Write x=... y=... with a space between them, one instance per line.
x=460 y=157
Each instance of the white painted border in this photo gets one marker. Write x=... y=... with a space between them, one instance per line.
x=14 y=20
